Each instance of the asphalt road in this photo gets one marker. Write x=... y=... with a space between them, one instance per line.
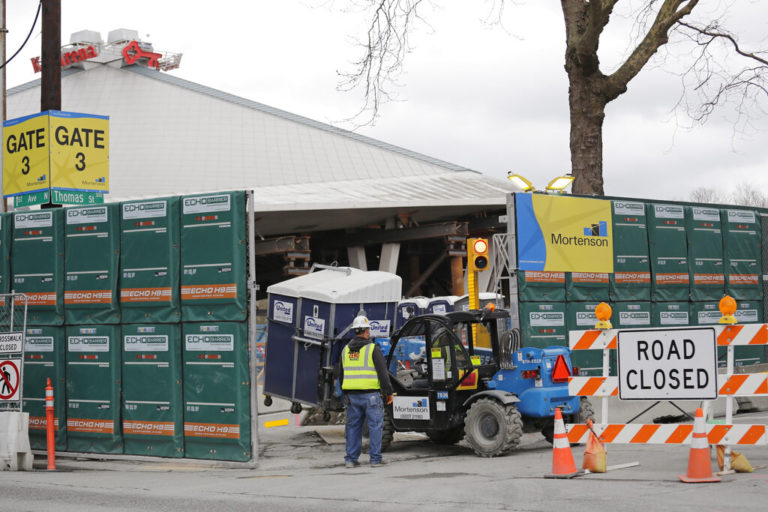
x=299 y=470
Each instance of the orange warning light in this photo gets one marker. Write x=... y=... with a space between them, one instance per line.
x=727 y=308
x=491 y=307
x=603 y=314
x=727 y=305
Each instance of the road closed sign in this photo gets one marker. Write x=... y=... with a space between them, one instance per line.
x=670 y=364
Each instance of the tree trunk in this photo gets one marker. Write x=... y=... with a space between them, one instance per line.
x=587 y=106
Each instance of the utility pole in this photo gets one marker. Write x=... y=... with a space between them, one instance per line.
x=50 y=81
x=3 y=31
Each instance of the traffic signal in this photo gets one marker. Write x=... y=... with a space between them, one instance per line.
x=477 y=254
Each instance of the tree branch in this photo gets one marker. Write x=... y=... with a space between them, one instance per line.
x=670 y=13
x=384 y=50
x=709 y=31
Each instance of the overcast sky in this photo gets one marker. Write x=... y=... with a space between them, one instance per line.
x=488 y=97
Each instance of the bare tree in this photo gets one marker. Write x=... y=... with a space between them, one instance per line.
x=745 y=194
x=744 y=78
x=706 y=195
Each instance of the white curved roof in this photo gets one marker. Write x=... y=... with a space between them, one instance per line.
x=173 y=136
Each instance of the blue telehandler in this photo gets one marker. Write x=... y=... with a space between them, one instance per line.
x=449 y=387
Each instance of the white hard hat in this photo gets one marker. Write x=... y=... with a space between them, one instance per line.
x=361 y=322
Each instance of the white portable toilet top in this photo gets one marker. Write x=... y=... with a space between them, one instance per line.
x=481 y=296
x=295 y=287
x=421 y=302
x=343 y=285
x=450 y=299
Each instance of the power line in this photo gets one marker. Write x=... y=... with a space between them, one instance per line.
x=39 y=6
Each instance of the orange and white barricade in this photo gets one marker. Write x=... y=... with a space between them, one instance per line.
x=729 y=385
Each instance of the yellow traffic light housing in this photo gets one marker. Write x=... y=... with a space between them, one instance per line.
x=477 y=254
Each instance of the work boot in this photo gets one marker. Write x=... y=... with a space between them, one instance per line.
x=350 y=464
x=378 y=464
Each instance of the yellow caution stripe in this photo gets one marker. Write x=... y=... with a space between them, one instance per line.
x=277 y=423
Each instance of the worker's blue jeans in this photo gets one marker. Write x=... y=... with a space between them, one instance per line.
x=362 y=406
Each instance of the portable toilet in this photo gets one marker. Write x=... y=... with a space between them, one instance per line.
x=408 y=308
x=308 y=321
x=441 y=305
x=462 y=303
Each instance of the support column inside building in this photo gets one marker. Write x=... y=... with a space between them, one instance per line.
x=390 y=252
x=356 y=256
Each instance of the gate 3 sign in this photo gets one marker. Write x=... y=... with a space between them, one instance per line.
x=55 y=150
x=670 y=364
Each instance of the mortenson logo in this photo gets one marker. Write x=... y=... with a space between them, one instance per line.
x=582 y=241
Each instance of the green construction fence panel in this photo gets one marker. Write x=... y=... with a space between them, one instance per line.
x=93 y=389
x=44 y=353
x=149 y=261
x=6 y=233
x=213 y=257
x=153 y=410
x=743 y=254
x=671 y=314
x=580 y=316
x=708 y=313
x=37 y=264
x=542 y=324
x=631 y=278
x=705 y=253
x=705 y=313
x=540 y=286
x=668 y=248
x=216 y=391
x=749 y=312
x=631 y=315
x=92 y=253
x=587 y=286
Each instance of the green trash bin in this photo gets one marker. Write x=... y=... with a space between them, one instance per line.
x=152 y=401
x=542 y=324
x=92 y=251
x=37 y=264
x=705 y=253
x=671 y=314
x=93 y=389
x=44 y=350
x=631 y=278
x=216 y=391
x=213 y=258
x=149 y=261
x=668 y=246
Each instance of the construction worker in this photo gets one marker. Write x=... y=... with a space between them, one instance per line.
x=364 y=378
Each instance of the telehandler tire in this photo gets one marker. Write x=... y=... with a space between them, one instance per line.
x=492 y=428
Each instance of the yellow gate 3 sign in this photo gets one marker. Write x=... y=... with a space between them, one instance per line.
x=56 y=150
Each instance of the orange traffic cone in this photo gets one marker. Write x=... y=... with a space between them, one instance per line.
x=563 y=465
x=699 y=464
x=594 y=454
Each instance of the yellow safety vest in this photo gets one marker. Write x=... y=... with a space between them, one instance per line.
x=359 y=370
